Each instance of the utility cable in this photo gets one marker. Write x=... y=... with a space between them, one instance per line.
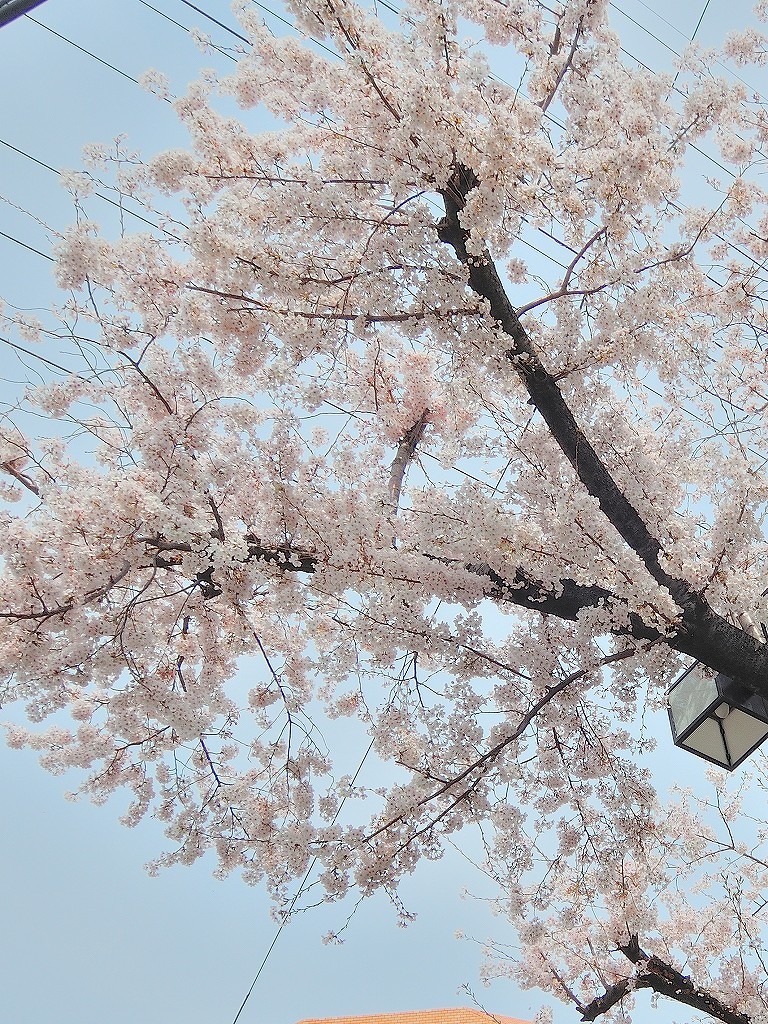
x=285 y=21
x=290 y=24
x=215 y=21
x=30 y=247
x=178 y=24
x=672 y=50
x=693 y=36
x=701 y=18
x=299 y=891
x=34 y=159
x=99 y=195
x=82 y=49
x=42 y=359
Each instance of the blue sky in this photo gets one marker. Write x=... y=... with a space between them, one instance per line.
x=87 y=935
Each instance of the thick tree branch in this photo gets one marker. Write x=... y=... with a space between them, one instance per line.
x=544 y=392
x=717 y=643
x=720 y=645
x=22 y=478
x=703 y=633
x=564 y=599
x=554 y=48
x=611 y=997
x=405 y=453
x=668 y=981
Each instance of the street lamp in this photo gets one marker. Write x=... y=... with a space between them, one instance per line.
x=10 y=9
x=716 y=717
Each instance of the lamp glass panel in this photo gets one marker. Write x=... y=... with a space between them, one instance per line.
x=742 y=733
x=690 y=697
x=707 y=740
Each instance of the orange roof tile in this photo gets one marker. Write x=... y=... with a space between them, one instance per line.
x=461 y=1015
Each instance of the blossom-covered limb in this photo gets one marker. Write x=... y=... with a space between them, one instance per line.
x=655 y=974
x=716 y=643
x=22 y=478
x=405 y=452
x=702 y=632
x=472 y=775
x=563 y=599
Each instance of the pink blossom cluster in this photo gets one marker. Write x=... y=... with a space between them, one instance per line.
x=296 y=482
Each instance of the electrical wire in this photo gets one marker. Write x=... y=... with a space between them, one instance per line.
x=692 y=37
x=82 y=49
x=178 y=24
x=701 y=18
x=298 y=893
x=34 y=355
x=215 y=21
x=34 y=159
x=290 y=24
x=672 y=50
x=30 y=247
x=99 y=195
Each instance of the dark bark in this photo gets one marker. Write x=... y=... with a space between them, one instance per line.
x=546 y=396
x=717 y=643
x=565 y=599
x=661 y=977
x=703 y=633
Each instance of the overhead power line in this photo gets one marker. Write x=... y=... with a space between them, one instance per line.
x=112 y=202
x=11 y=9
x=82 y=49
x=24 y=245
x=217 y=22
x=286 y=916
x=178 y=24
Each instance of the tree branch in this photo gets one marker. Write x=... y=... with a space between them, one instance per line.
x=22 y=478
x=563 y=599
x=554 y=48
x=702 y=633
x=668 y=981
x=482 y=765
x=602 y=1003
x=405 y=452
x=718 y=644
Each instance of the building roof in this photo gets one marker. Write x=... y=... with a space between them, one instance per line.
x=461 y=1015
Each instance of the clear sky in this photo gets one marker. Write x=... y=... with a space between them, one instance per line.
x=87 y=936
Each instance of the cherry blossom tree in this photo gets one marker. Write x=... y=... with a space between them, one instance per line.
x=440 y=408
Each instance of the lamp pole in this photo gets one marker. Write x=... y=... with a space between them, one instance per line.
x=10 y=9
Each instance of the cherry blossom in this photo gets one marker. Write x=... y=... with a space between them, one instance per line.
x=337 y=450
